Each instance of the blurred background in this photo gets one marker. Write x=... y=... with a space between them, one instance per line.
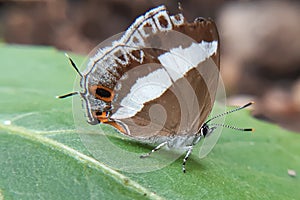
x=260 y=41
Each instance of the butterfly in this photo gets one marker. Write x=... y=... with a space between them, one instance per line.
x=157 y=82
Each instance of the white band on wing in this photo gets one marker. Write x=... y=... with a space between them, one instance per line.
x=176 y=64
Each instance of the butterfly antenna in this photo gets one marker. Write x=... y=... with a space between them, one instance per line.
x=73 y=64
x=231 y=111
x=232 y=127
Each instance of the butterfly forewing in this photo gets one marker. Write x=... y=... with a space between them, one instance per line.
x=162 y=75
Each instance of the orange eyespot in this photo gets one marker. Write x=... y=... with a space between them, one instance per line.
x=101 y=116
x=101 y=92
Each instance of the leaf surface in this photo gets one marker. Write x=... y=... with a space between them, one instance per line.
x=42 y=156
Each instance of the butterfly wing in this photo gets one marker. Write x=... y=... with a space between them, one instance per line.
x=159 y=79
x=172 y=91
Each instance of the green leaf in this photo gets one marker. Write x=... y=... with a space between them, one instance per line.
x=42 y=156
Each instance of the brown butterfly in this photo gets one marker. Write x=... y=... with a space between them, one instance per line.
x=157 y=83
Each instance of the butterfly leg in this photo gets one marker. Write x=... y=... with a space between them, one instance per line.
x=188 y=153
x=153 y=150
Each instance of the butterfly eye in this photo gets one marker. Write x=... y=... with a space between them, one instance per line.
x=101 y=92
x=204 y=130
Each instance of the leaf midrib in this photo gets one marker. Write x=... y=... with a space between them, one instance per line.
x=80 y=157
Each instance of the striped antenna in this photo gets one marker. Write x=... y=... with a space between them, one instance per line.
x=226 y=113
x=232 y=127
x=230 y=111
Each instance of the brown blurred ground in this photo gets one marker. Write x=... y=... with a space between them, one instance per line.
x=260 y=41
